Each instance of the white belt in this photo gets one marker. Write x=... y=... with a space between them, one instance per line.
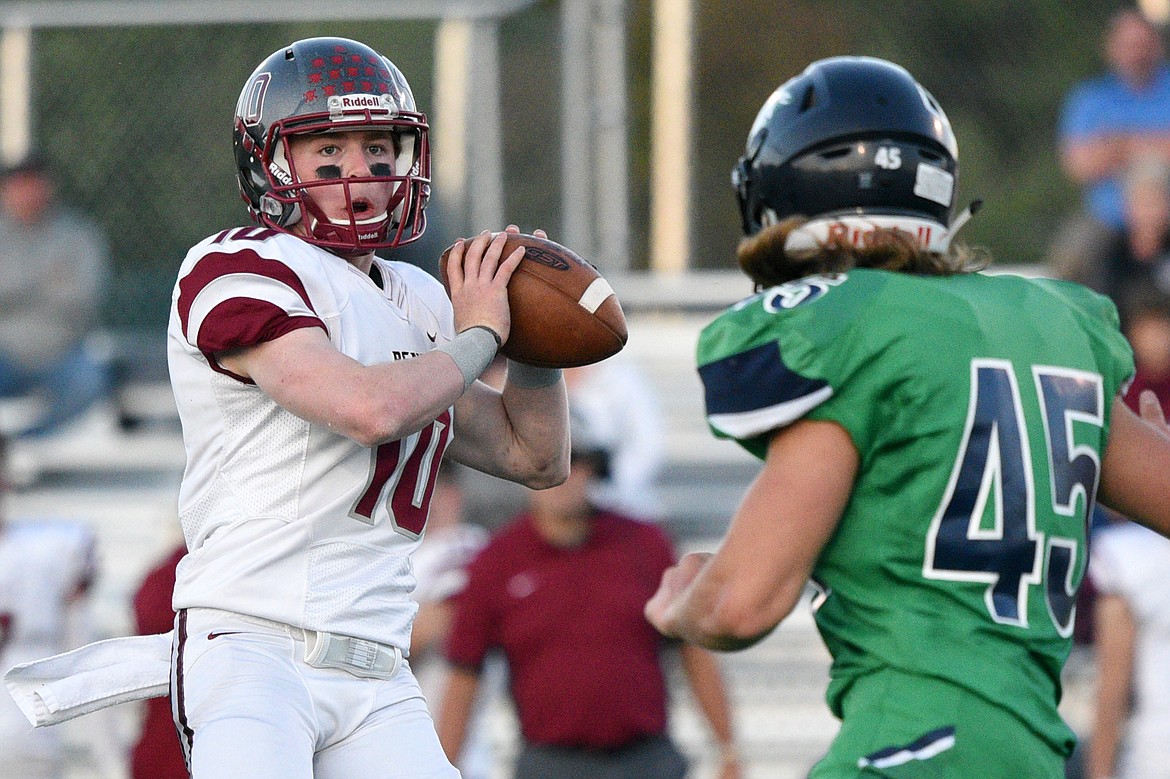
x=356 y=656
x=118 y=670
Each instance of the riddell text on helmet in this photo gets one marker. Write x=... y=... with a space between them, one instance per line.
x=864 y=236
x=339 y=104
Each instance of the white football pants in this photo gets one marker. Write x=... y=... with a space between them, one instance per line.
x=247 y=706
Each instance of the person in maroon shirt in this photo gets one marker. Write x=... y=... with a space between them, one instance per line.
x=560 y=591
x=157 y=754
x=1146 y=323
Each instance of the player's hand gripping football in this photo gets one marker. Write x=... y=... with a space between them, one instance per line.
x=477 y=277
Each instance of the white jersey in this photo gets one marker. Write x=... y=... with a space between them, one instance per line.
x=44 y=566
x=284 y=519
x=1134 y=563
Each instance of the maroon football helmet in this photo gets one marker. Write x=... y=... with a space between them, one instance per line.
x=321 y=85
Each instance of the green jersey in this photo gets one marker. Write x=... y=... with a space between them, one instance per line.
x=979 y=406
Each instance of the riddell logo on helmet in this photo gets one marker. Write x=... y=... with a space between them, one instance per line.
x=841 y=233
x=360 y=101
x=280 y=174
x=341 y=105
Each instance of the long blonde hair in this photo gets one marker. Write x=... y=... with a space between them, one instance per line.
x=764 y=258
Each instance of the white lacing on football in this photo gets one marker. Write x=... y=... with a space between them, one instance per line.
x=595 y=294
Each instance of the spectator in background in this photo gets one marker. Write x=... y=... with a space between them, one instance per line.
x=157 y=753
x=46 y=569
x=620 y=402
x=1137 y=260
x=1108 y=124
x=440 y=566
x=1130 y=566
x=560 y=592
x=54 y=266
x=1147 y=328
x=1128 y=580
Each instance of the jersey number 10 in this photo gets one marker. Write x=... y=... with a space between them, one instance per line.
x=408 y=466
x=985 y=528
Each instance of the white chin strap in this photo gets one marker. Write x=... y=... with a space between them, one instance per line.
x=859 y=231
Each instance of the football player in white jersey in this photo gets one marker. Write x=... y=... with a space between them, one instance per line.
x=46 y=568
x=319 y=387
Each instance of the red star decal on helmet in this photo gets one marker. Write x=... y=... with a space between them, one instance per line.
x=337 y=59
x=314 y=78
x=335 y=74
x=351 y=72
x=347 y=86
x=310 y=96
x=329 y=90
x=367 y=86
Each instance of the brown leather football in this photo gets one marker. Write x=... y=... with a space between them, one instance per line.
x=564 y=314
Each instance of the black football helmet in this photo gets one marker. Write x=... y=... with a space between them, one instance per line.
x=321 y=85
x=852 y=143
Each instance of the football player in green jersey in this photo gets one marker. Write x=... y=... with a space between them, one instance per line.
x=933 y=440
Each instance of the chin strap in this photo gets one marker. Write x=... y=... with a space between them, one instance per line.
x=963 y=218
x=859 y=230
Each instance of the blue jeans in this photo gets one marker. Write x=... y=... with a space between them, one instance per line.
x=67 y=386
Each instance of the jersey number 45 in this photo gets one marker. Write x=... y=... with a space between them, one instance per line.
x=985 y=528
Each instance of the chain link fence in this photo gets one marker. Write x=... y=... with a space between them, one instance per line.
x=137 y=125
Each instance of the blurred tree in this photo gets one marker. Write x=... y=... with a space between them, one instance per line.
x=1000 y=67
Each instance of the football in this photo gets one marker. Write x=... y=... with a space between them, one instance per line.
x=564 y=314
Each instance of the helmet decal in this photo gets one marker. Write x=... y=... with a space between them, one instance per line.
x=253 y=106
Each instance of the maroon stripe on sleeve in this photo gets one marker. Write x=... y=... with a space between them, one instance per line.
x=243 y=322
x=218 y=264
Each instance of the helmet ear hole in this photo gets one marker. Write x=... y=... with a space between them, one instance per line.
x=810 y=98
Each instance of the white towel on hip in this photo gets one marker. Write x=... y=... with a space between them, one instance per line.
x=58 y=688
